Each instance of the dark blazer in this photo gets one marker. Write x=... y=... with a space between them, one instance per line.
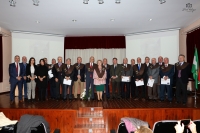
x=185 y=73
x=28 y=72
x=87 y=72
x=82 y=72
x=117 y=72
x=57 y=71
x=169 y=73
x=107 y=72
x=42 y=71
x=68 y=72
x=13 y=74
x=140 y=76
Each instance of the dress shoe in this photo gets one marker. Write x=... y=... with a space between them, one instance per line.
x=11 y=102
x=143 y=99
x=21 y=101
x=161 y=101
x=136 y=99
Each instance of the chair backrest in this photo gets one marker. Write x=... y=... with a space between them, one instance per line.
x=197 y=122
x=167 y=126
x=122 y=128
x=40 y=129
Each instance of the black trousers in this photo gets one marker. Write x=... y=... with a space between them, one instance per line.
x=133 y=86
x=115 y=87
x=142 y=90
x=127 y=93
x=42 y=93
x=60 y=82
x=181 y=91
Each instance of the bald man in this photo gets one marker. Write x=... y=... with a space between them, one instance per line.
x=127 y=71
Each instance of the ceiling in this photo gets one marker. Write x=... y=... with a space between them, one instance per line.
x=93 y=19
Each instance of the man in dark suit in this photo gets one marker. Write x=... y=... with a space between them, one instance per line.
x=107 y=67
x=79 y=76
x=147 y=63
x=127 y=71
x=139 y=71
x=160 y=63
x=16 y=73
x=89 y=69
x=132 y=80
x=182 y=72
x=166 y=72
x=57 y=72
x=52 y=81
x=24 y=62
x=115 y=73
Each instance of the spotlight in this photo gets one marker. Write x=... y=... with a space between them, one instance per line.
x=36 y=2
x=12 y=3
x=117 y=1
x=162 y=1
x=101 y=1
x=85 y=1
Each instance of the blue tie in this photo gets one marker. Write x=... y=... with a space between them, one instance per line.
x=138 y=66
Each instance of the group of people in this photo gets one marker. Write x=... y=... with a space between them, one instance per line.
x=123 y=78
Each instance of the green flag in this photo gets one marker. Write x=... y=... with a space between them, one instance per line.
x=195 y=67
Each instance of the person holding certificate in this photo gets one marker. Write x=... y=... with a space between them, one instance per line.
x=166 y=73
x=153 y=73
x=139 y=71
x=127 y=72
x=57 y=73
x=68 y=75
x=99 y=76
x=182 y=72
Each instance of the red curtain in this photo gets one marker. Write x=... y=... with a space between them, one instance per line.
x=193 y=39
x=1 y=59
x=95 y=42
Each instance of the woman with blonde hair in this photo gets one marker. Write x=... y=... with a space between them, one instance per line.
x=99 y=76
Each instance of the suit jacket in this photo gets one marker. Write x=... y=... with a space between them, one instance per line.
x=139 y=74
x=116 y=72
x=127 y=71
x=167 y=71
x=154 y=72
x=146 y=75
x=13 y=74
x=57 y=71
x=89 y=71
x=185 y=72
x=82 y=72
x=28 y=72
x=107 y=72
x=68 y=72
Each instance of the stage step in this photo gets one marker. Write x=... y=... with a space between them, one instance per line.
x=90 y=120
x=90 y=112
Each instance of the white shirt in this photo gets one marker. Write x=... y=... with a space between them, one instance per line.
x=18 y=68
x=91 y=64
x=147 y=64
x=166 y=65
x=32 y=69
x=68 y=66
x=125 y=65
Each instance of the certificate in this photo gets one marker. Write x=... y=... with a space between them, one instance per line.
x=67 y=82
x=165 y=82
x=50 y=74
x=125 y=79
x=139 y=83
x=150 y=82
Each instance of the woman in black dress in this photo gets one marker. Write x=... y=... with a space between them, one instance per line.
x=42 y=73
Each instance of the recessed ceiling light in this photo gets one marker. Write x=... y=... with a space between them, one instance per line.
x=74 y=20
x=150 y=19
x=37 y=22
x=117 y=2
x=112 y=19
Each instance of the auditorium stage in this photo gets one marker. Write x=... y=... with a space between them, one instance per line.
x=64 y=114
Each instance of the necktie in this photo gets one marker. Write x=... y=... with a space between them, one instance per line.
x=78 y=69
x=179 y=73
x=68 y=66
x=17 y=68
x=90 y=65
x=165 y=65
x=139 y=67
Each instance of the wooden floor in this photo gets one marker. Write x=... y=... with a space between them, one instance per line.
x=65 y=114
x=106 y=104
